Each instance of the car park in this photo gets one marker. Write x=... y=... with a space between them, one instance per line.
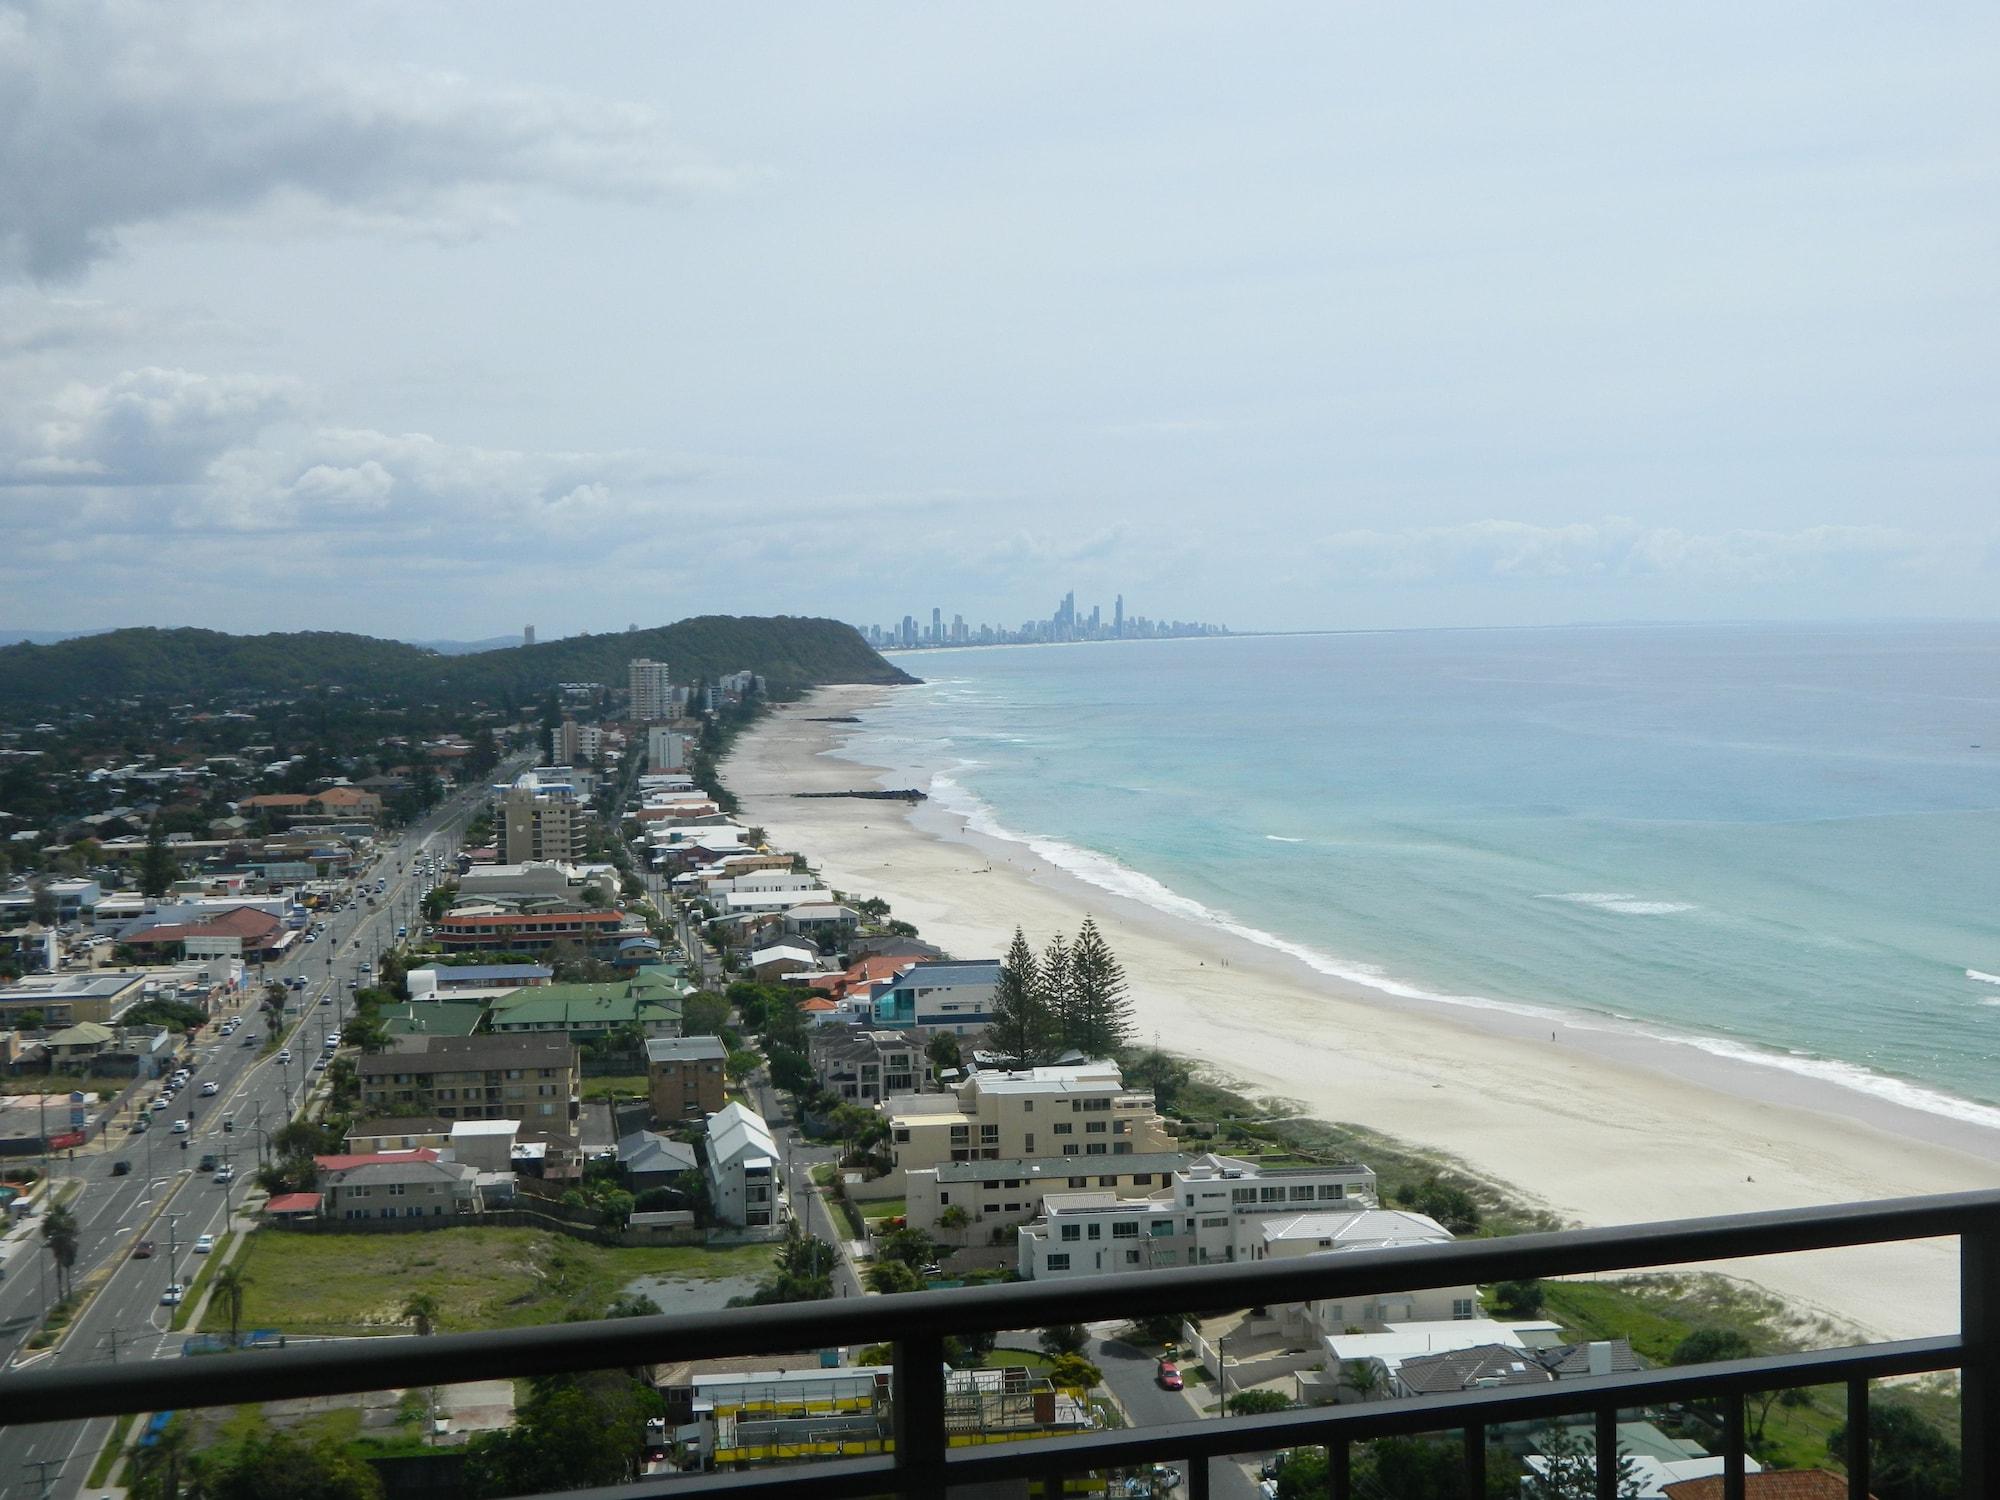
x=204 y=1244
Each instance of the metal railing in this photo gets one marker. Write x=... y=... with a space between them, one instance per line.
x=916 y=1324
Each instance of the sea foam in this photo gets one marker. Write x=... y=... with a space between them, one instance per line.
x=1621 y=901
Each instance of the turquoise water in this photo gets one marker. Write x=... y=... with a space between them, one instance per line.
x=1780 y=841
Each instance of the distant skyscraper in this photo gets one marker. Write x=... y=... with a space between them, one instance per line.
x=1118 y=617
x=652 y=693
x=937 y=626
x=527 y=635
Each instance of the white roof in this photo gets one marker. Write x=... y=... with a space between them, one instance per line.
x=773 y=900
x=485 y=1127
x=1371 y=1228
x=736 y=1133
x=1410 y=1340
x=783 y=950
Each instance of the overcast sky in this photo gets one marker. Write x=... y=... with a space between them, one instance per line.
x=435 y=320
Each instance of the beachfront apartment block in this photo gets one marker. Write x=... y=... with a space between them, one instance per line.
x=542 y=818
x=999 y=1196
x=1209 y=1209
x=954 y=995
x=650 y=688
x=1078 y=1110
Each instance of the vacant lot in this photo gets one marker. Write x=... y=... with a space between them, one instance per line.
x=480 y=1278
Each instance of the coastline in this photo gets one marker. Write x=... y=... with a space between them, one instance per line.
x=1595 y=1122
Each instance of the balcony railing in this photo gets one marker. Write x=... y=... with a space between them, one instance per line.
x=924 y=1465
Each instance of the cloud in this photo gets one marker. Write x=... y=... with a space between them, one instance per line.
x=1616 y=548
x=151 y=426
x=115 y=114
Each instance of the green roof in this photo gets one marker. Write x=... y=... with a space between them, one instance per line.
x=432 y=1018
x=588 y=1007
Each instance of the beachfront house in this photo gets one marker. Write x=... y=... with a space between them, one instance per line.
x=954 y=995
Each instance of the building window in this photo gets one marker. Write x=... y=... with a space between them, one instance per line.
x=1331 y=1192
x=1093 y=1127
x=1096 y=1148
x=1220 y=1221
x=1096 y=1231
x=1126 y=1230
x=1071 y=1149
x=1072 y=1231
x=1302 y=1194
x=1027 y=1106
x=1064 y=1127
x=1079 y=1181
x=1461 y=1308
x=1058 y=1262
x=1160 y=1228
x=1142 y=1179
x=988 y=1134
x=1270 y=1195
x=1110 y=1182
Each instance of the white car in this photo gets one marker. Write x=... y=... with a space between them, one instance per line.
x=171 y=1297
x=284 y=1055
x=225 y=1175
x=180 y=1127
x=210 y=1089
x=205 y=1244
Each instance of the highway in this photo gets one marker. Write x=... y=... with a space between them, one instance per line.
x=164 y=1199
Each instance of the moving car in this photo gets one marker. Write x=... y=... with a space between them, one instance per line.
x=249 y=1038
x=143 y=1250
x=1169 y=1375
x=225 y=1174
x=180 y=1127
x=208 y=1161
x=284 y=1055
x=204 y=1244
x=161 y=1103
x=319 y=1065
x=210 y=1089
x=171 y=1297
x=121 y=1169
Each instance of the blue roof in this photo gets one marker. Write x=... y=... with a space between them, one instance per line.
x=640 y=942
x=485 y=973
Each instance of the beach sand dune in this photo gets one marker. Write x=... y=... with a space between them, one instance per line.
x=1598 y=1124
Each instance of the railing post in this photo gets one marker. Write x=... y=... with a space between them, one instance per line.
x=919 y=1397
x=1339 y=1470
x=1732 y=1446
x=1857 y=1440
x=1979 y=1380
x=1474 y=1454
x=1198 y=1479
x=1605 y=1443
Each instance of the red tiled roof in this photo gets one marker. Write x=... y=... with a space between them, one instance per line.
x=277 y=799
x=293 y=1203
x=1777 y=1484
x=868 y=971
x=238 y=922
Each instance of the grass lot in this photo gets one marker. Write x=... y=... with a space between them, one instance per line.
x=196 y=1281
x=884 y=1208
x=481 y=1277
x=56 y=1083
x=631 y=1086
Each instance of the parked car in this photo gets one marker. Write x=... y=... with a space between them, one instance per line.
x=208 y=1161
x=319 y=1065
x=1169 y=1375
x=161 y=1103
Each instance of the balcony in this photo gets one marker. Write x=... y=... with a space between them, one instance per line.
x=925 y=1463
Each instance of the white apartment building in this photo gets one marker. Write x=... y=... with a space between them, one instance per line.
x=542 y=820
x=1002 y=1195
x=666 y=749
x=745 y=1180
x=1067 y=1110
x=652 y=693
x=578 y=744
x=1213 y=1209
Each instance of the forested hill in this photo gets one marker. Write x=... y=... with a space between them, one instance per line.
x=790 y=654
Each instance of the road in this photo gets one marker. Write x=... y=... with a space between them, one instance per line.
x=163 y=1199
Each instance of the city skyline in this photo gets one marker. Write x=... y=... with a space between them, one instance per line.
x=1064 y=625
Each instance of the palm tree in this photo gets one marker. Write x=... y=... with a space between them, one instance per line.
x=60 y=1233
x=422 y=1310
x=230 y=1283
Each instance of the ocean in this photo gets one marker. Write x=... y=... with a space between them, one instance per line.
x=1781 y=844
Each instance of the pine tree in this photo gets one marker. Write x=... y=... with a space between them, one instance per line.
x=1021 y=1026
x=1057 y=996
x=157 y=869
x=1101 y=1004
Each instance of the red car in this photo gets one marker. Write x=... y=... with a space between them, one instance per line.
x=1169 y=1375
x=143 y=1250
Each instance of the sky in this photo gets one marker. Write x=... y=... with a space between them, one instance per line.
x=439 y=320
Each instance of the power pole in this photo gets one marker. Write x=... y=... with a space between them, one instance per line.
x=43 y=1465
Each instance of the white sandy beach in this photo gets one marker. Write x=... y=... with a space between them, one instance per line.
x=1601 y=1126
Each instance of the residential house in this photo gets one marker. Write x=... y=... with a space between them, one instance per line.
x=745 y=1179
x=827 y=923
x=780 y=959
x=351 y=802
x=865 y=1066
x=949 y=995
x=399 y=1187
x=650 y=1000
x=649 y=1160
x=685 y=1076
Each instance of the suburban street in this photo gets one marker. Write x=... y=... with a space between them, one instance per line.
x=164 y=1199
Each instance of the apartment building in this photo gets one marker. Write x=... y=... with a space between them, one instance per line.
x=525 y=932
x=650 y=689
x=528 y=1078
x=685 y=1076
x=1066 y=1110
x=745 y=1181
x=666 y=749
x=1211 y=1209
x=542 y=819
x=866 y=1067
x=578 y=744
x=1000 y=1196
x=65 y=999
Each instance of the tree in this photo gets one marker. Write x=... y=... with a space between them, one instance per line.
x=282 y=1465
x=230 y=1284
x=1022 y=1025
x=632 y=1305
x=1451 y=1205
x=888 y=1276
x=1101 y=1003
x=574 y=1431
x=1056 y=995
x=1522 y=1299
x=60 y=1234
x=420 y=1309
x=703 y=1014
x=1072 y=1372
x=157 y=868
x=954 y=1219
x=1257 y=1403
x=1707 y=1345
x=912 y=1247
x=1570 y=1472
x=943 y=1052
x=1064 y=1338
x=1410 y=1469
x=1909 y=1456
x=616 y=1206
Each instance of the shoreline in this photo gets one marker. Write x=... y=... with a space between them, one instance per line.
x=1592 y=1120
